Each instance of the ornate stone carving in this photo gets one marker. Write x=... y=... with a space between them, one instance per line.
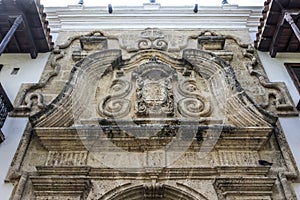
x=193 y=105
x=154 y=89
x=238 y=158
x=66 y=158
x=278 y=91
x=227 y=92
x=25 y=104
x=115 y=105
x=152 y=38
x=155 y=93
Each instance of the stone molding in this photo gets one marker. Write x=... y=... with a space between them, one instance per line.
x=87 y=18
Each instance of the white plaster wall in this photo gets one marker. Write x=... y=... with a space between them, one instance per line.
x=30 y=72
x=276 y=71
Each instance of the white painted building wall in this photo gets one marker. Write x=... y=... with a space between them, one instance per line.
x=277 y=72
x=30 y=72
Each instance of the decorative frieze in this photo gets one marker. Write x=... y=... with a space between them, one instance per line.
x=238 y=158
x=66 y=158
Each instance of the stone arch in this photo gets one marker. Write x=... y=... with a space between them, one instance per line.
x=156 y=191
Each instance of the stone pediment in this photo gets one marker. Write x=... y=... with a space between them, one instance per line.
x=151 y=86
x=271 y=97
x=152 y=98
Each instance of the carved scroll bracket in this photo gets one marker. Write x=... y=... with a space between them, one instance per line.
x=277 y=90
x=30 y=99
x=25 y=103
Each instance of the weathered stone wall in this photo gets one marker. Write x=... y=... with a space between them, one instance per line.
x=153 y=114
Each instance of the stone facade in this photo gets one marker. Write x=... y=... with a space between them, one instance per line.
x=153 y=114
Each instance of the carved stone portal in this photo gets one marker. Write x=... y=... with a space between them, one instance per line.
x=153 y=114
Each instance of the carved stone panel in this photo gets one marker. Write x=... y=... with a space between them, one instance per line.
x=66 y=158
x=153 y=114
x=154 y=89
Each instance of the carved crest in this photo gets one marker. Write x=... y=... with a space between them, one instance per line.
x=154 y=92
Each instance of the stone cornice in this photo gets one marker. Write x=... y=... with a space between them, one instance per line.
x=169 y=172
x=78 y=18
